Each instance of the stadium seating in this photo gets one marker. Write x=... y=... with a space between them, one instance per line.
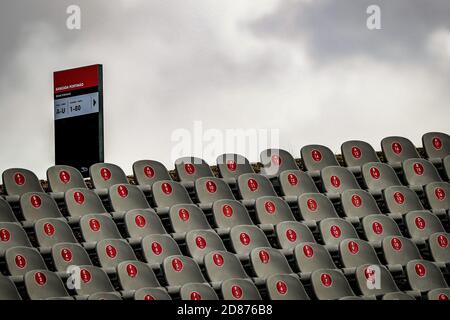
x=359 y=225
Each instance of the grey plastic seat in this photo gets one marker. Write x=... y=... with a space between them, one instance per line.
x=329 y=284
x=269 y=261
x=421 y=224
x=211 y=189
x=8 y=290
x=285 y=287
x=69 y=254
x=167 y=193
x=291 y=233
x=310 y=256
x=401 y=200
x=272 y=210
x=93 y=280
x=246 y=238
x=12 y=235
x=36 y=206
x=336 y=179
x=141 y=223
x=197 y=291
x=190 y=169
x=334 y=230
x=419 y=172
x=378 y=176
x=316 y=157
x=201 y=242
x=17 y=181
x=50 y=231
x=96 y=227
x=20 y=260
x=398 y=149
x=439 y=247
x=378 y=226
x=356 y=252
x=134 y=275
x=232 y=165
x=275 y=161
x=356 y=153
x=424 y=276
x=442 y=294
x=105 y=296
x=446 y=163
x=436 y=145
x=111 y=252
x=62 y=178
x=187 y=217
x=179 y=270
x=294 y=183
x=82 y=202
x=375 y=280
x=316 y=207
x=438 y=196
x=397 y=296
x=157 y=247
x=399 y=250
x=252 y=186
x=151 y=294
x=239 y=289
x=125 y=197
x=6 y=213
x=105 y=175
x=358 y=204
x=230 y=213
x=43 y=284
x=147 y=172
x=223 y=265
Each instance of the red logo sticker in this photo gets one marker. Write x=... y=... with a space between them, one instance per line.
x=166 y=188
x=369 y=274
x=437 y=143
x=353 y=247
x=291 y=235
x=156 y=248
x=236 y=291
x=418 y=168
x=356 y=152
x=5 y=235
x=94 y=224
x=439 y=193
x=49 y=229
x=276 y=160
x=326 y=280
x=35 y=201
x=374 y=172
x=122 y=191
x=335 y=181
x=177 y=265
x=105 y=173
x=244 y=238
x=264 y=256
x=399 y=197
x=211 y=186
x=308 y=251
x=420 y=223
x=66 y=254
x=184 y=214
x=78 y=197
x=396 y=147
x=149 y=172
x=312 y=204
x=396 y=244
x=356 y=201
x=19 y=179
x=20 y=261
x=140 y=221
x=189 y=168
x=227 y=210
x=442 y=297
x=195 y=295
x=281 y=287
x=420 y=269
x=218 y=259
x=335 y=231
x=85 y=275
x=252 y=184
x=442 y=241
x=377 y=227
x=64 y=176
x=270 y=207
x=111 y=251
x=149 y=297
x=231 y=165
x=292 y=179
x=132 y=270
x=40 y=278
x=316 y=155
x=200 y=242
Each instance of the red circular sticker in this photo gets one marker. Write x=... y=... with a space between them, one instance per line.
x=312 y=204
x=5 y=235
x=291 y=235
x=396 y=244
x=231 y=165
x=335 y=181
x=308 y=251
x=85 y=275
x=66 y=254
x=149 y=297
x=200 y=242
x=211 y=186
x=156 y=248
x=105 y=173
x=439 y=193
x=335 y=231
x=252 y=184
x=356 y=201
x=111 y=251
x=195 y=295
x=353 y=247
x=420 y=223
x=49 y=229
x=64 y=176
x=36 y=201
x=78 y=197
x=227 y=210
x=420 y=269
x=276 y=160
x=122 y=191
x=94 y=224
x=377 y=227
x=140 y=221
x=374 y=172
x=281 y=287
x=131 y=270
x=356 y=152
x=166 y=188
x=399 y=197
x=236 y=291
x=418 y=168
x=437 y=143
x=244 y=238
x=218 y=259
x=177 y=265
x=442 y=241
x=316 y=155
x=189 y=168
x=40 y=278
x=20 y=261
x=326 y=280
x=270 y=207
x=19 y=179
x=292 y=179
x=149 y=172
x=396 y=147
x=184 y=214
x=442 y=297
x=264 y=256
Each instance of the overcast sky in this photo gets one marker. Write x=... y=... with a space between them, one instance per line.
x=308 y=68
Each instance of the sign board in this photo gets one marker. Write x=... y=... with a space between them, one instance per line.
x=78 y=108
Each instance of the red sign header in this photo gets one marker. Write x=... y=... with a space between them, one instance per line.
x=75 y=79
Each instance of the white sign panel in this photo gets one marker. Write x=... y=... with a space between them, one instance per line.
x=76 y=106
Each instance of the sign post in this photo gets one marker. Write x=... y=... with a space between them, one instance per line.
x=78 y=103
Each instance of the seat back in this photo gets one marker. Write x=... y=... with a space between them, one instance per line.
x=294 y=183
x=17 y=181
x=96 y=227
x=167 y=193
x=223 y=265
x=187 y=217
x=334 y=230
x=197 y=291
x=311 y=256
x=252 y=186
x=157 y=247
x=439 y=247
x=419 y=172
x=62 y=178
x=180 y=270
x=209 y=189
x=20 y=260
x=69 y=254
x=436 y=145
x=201 y=242
x=232 y=165
x=111 y=252
x=421 y=224
x=230 y=213
x=378 y=226
x=142 y=222
x=357 y=153
x=125 y=197
x=330 y=284
x=358 y=203
x=81 y=202
x=105 y=175
x=134 y=275
x=42 y=284
x=316 y=207
x=273 y=210
x=379 y=176
x=375 y=280
x=291 y=233
x=246 y=238
x=285 y=287
x=401 y=200
x=438 y=195
x=50 y=231
x=399 y=250
x=269 y=261
x=275 y=161
x=337 y=179
x=397 y=149
x=12 y=235
x=151 y=294
x=147 y=172
x=8 y=290
x=92 y=280
x=190 y=169
x=316 y=157
x=35 y=206
x=424 y=276
x=356 y=252
x=239 y=289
